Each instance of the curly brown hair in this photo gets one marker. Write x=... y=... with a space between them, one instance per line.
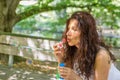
x=89 y=45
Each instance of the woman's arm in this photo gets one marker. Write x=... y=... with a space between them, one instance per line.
x=102 y=65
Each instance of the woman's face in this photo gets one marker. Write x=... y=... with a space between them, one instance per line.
x=73 y=33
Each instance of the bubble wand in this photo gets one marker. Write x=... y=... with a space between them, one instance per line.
x=61 y=44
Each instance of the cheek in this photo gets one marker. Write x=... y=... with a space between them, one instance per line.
x=73 y=33
x=77 y=36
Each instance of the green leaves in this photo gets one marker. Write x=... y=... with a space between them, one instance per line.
x=106 y=13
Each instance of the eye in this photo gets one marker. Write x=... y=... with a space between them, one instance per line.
x=75 y=29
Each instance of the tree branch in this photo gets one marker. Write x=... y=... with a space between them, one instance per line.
x=36 y=9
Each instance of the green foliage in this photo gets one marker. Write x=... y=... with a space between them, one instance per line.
x=113 y=42
x=45 y=27
x=106 y=13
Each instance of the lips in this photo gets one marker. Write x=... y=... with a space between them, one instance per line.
x=68 y=40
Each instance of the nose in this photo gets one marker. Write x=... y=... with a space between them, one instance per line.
x=68 y=33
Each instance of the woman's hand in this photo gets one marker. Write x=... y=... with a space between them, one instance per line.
x=58 y=52
x=68 y=73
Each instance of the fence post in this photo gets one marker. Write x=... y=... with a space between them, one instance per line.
x=10 y=62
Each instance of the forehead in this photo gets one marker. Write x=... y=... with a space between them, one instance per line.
x=73 y=23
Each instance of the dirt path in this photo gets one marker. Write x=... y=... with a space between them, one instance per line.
x=7 y=73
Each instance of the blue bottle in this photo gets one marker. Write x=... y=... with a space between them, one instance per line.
x=62 y=65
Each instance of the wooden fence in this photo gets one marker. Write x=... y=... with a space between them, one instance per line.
x=30 y=47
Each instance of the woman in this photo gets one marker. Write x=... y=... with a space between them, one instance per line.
x=86 y=57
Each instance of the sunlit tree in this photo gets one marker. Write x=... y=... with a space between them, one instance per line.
x=12 y=12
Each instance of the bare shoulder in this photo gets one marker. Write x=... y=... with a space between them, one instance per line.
x=102 y=57
x=102 y=54
x=102 y=64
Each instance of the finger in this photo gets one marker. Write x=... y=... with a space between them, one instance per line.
x=57 y=53
x=62 y=70
x=63 y=50
x=63 y=74
x=65 y=70
x=57 y=49
x=54 y=46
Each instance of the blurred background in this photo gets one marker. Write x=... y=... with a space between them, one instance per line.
x=29 y=29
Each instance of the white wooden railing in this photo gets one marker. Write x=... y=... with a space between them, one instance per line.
x=30 y=47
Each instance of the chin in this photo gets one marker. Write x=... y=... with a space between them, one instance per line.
x=70 y=44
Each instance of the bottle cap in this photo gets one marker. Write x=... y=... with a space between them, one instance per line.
x=62 y=64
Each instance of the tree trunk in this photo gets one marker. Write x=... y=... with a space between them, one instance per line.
x=7 y=18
